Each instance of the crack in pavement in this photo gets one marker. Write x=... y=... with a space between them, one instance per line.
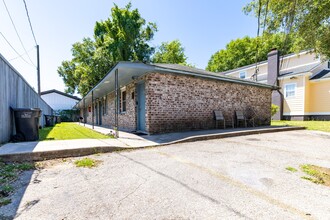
x=126 y=196
x=229 y=208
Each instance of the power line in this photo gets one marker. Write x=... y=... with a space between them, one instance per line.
x=255 y=75
x=20 y=56
x=17 y=32
x=27 y=13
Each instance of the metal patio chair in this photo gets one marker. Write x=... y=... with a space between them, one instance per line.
x=218 y=116
x=240 y=117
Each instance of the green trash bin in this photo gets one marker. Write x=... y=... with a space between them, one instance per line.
x=27 y=123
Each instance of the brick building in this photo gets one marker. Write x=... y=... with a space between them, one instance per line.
x=157 y=98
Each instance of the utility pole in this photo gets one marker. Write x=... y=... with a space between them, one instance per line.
x=38 y=70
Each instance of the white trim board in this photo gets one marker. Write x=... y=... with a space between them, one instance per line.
x=318 y=80
x=298 y=74
x=306 y=113
x=300 y=66
x=317 y=113
x=293 y=113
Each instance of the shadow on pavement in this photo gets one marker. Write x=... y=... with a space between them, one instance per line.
x=10 y=211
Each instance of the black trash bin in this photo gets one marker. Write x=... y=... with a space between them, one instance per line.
x=27 y=123
x=49 y=120
x=57 y=119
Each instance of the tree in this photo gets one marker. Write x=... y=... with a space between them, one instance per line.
x=122 y=37
x=247 y=50
x=170 y=52
x=308 y=21
x=126 y=35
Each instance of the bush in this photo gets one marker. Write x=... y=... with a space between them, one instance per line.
x=68 y=115
x=274 y=109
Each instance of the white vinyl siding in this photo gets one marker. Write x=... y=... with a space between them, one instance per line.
x=58 y=101
x=293 y=105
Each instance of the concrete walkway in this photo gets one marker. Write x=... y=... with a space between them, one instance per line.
x=41 y=150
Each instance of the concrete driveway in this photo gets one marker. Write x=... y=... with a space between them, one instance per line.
x=233 y=178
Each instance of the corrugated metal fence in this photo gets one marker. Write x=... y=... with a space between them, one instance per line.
x=17 y=93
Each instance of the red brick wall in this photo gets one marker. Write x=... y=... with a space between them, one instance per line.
x=126 y=120
x=177 y=103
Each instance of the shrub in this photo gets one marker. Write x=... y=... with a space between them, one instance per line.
x=274 y=109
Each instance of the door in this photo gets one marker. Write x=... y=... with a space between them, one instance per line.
x=141 y=107
x=100 y=112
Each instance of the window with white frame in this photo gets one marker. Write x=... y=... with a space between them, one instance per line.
x=290 y=90
x=242 y=75
x=123 y=100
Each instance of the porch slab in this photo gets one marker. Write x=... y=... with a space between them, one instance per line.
x=42 y=150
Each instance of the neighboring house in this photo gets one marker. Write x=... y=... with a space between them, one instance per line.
x=59 y=100
x=156 y=98
x=304 y=80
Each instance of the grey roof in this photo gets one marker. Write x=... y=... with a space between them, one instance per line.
x=128 y=71
x=184 y=68
x=299 y=69
x=61 y=93
x=324 y=74
x=206 y=74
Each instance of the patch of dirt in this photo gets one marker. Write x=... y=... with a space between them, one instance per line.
x=51 y=163
x=321 y=174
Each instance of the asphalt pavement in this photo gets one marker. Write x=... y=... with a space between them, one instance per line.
x=234 y=178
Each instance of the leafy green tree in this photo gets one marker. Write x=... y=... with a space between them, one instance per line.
x=306 y=20
x=122 y=37
x=126 y=35
x=247 y=50
x=170 y=52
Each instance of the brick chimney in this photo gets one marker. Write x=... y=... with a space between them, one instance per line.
x=272 y=79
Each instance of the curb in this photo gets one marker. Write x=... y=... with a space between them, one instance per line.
x=233 y=134
x=48 y=155
x=77 y=152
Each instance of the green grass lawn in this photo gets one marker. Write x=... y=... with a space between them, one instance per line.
x=67 y=131
x=310 y=125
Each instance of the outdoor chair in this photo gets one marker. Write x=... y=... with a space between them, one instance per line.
x=239 y=116
x=218 y=116
x=251 y=116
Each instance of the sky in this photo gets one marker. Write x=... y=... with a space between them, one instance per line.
x=203 y=27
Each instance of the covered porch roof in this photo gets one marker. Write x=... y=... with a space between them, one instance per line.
x=129 y=71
